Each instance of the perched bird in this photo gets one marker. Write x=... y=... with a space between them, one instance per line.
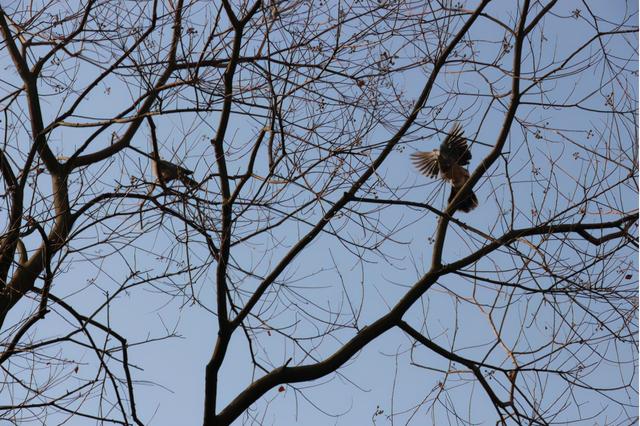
x=167 y=171
x=449 y=162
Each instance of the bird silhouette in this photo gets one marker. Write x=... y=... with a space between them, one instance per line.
x=166 y=171
x=449 y=162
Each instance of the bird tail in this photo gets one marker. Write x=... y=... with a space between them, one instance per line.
x=468 y=203
x=187 y=181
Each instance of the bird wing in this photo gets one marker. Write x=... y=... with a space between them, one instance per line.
x=426 y=162
x=187 y=181
x=454 y=148
x=185 y=171
x=171 y=168
x=183 y=175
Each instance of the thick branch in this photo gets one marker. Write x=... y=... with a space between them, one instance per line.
x=366 y=335
x=497 y=150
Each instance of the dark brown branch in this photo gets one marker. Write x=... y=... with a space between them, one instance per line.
x=471 y=365
x=497 y=150
x=224 y=331
x=287 y=374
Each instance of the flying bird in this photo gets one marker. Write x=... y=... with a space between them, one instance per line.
x=167 y=171
x=449 y=162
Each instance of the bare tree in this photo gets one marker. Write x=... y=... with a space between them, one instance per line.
x=250 y=161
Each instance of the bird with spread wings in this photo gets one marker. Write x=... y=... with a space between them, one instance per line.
x=449 y=162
